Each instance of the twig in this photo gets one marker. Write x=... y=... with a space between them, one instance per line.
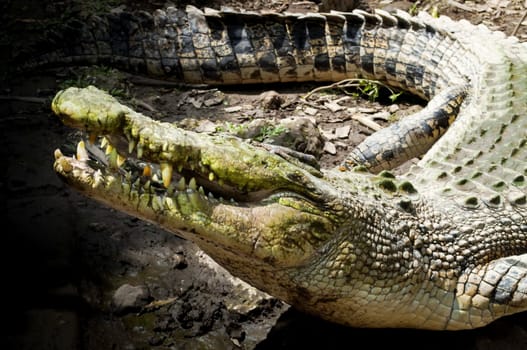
x=144 y=105
x=339 y=85
x=350 y=83
x=368 y=122
x=515 y=31
x=314 y=105
x=156 y=304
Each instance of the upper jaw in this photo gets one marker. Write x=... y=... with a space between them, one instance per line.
x=224 y=165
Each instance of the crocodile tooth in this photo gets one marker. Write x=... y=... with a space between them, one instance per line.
x=137 y=183
x=128 y=176
x=157 y=203
x=104 y=142
x=155 y=178
x=109 y=148
x=147 y=171
x=180 y=168
x=192 y=184
x=194 y=199
x=92 y=138
x=64 y=164
x=211 y=176
x=201 y=190
x=166 y=173
x=210 y=195
x=82 y=154
x=131 y=145
x=181 y=185
x=97 y=178
x=170 y=204
x=120 y=160
x=58 y=153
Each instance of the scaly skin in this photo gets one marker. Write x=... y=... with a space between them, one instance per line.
x=443 y=246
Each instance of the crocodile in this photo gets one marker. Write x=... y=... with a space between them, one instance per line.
x=442 y=246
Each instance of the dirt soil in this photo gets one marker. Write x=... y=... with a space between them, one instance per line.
x=78 y=275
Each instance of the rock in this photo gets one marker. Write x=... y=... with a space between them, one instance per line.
x=195 y=102
x=216 y=100
x=393 y=108
x=271 y=100
x=329 y=135
x=343 y=131
x=297 y=133
x=383 y=115
x=128 y=298
x=233 y=109
x=310 y=111
x=334 y=107
x=330 y=148
x=206 y=126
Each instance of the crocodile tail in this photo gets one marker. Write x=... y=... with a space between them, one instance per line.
x=206 y=47
x=98 y=39
x=225 y=47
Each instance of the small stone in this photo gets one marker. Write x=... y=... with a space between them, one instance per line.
x=383 y=115
x=233 y=109
x=329 y=135
x=366 y=110
x=128 y=298
x=271 y=100
x=393 y=108
x=330 y=148
x=334 y=107
x=343 y=131
x=206 y=127
x=196 y=103
x=310 y=111
x=213 y=101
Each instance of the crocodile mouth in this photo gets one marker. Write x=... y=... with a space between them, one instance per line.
x=102 y=157
x=132 y=154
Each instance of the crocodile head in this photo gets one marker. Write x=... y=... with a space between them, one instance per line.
x=245 y=206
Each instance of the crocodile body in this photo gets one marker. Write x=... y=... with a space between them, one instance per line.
x=443 y=246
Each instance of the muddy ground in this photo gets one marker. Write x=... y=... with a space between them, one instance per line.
x=77 y=275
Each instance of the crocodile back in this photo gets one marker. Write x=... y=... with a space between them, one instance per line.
x=482 y=159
